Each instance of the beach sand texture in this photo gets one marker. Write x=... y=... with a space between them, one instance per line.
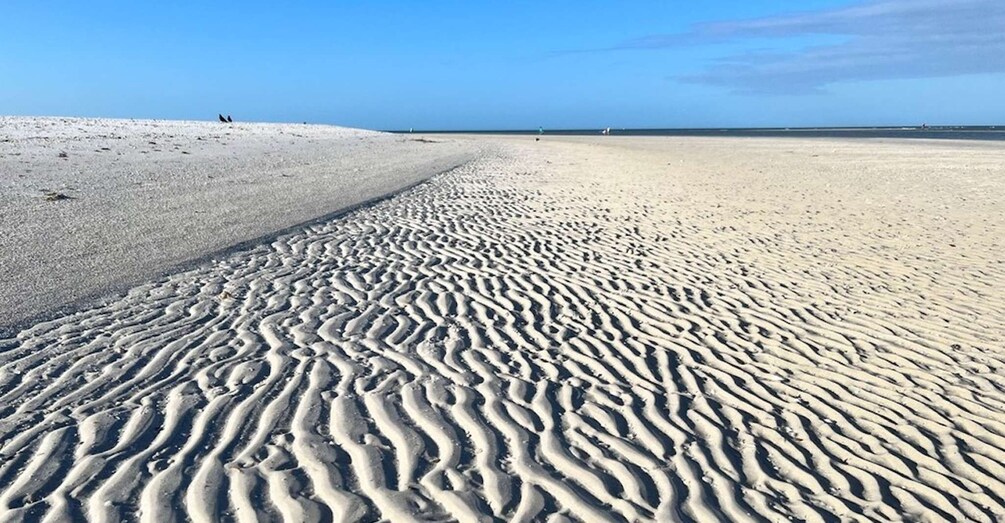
x=587 y=329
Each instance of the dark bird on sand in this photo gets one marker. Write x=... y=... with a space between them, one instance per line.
x=222 y=119
x=229 y=119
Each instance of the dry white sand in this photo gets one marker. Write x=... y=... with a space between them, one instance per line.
x=145 y=197
x=577 y=329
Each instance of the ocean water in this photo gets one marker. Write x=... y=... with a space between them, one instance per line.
x=970 y=132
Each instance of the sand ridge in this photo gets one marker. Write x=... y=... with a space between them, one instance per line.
x=90 y=207
x=557 y=330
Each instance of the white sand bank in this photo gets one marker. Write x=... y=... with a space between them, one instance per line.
x=576 y=329
x=149 y=195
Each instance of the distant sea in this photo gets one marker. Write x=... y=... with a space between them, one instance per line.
x=960 y=132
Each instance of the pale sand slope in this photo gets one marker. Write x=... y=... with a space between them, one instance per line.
x=151 y=195
x=667 y=329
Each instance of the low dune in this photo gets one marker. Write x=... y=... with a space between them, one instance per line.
x=585 y=329
x=89 y=207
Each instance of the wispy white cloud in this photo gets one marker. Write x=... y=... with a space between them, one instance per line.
x=880 y=39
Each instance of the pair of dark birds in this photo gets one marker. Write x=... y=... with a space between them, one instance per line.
x=228 y=119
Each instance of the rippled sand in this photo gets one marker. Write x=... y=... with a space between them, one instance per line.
x=588 y=329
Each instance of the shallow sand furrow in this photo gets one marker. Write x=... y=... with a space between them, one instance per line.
x=527 y=336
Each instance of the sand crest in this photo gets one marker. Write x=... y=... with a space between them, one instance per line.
x=89 y=207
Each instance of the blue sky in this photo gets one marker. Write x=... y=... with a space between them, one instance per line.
x=476 y=65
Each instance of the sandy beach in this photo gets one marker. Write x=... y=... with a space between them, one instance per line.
x=570 y=329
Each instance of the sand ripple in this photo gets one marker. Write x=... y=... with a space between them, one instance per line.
x=490 y=345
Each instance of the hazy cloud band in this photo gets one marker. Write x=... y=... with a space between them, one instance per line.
x=884 y=39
